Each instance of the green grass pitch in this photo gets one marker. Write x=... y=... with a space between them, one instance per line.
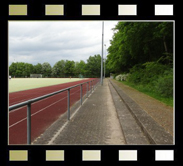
x=19 y=84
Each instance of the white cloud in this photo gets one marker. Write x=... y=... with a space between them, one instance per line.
x=49 y=41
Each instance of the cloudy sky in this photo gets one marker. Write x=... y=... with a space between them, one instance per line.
x=50 y=41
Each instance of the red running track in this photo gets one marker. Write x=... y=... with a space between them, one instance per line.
x=43 y=112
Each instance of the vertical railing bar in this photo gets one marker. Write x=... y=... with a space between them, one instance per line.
x=90 y=87
x=29 y=123
x=87 y=88
x=81 y=93
x=68 y=104
x=93 y=84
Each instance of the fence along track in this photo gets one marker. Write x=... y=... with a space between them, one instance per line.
x=29 y=102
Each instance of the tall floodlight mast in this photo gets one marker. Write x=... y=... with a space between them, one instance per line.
x=105 y=59
x=102 y=53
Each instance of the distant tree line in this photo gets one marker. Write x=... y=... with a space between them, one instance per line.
x=62 y=68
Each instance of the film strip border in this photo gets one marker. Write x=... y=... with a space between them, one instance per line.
x=91 y=10
x=90 y=155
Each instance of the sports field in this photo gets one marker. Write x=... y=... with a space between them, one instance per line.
x=19 y=84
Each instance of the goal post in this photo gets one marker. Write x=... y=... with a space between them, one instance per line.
x=35 y=75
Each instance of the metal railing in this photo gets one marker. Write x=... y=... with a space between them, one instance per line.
x=29 y=102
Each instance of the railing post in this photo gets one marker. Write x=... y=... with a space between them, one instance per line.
x=87 y=88
x=90 y=87
x=81 y=93
x=68 y=104
x=29 y=123
x=93 y=84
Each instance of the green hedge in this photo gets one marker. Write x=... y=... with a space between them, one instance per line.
x=154 y=77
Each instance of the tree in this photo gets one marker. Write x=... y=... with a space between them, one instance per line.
x=46 y=69
x=69 y=68
x=20 y=69
x=29 y=69
x=58 y=69
x=80 y=68
x=12 y=69
x=139 y=42
x=38 y=68
x=94 y=66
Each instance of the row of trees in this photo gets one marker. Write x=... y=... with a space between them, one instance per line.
x=140 y=42
x=62 y=68
x=144 y=50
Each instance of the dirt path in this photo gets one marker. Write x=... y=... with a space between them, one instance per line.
x=160 y=112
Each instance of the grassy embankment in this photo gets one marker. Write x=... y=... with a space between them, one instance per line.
x=153 y=79
x=167 y=100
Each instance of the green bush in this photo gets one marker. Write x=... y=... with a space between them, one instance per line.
x=136 y=74
x=146 y=73
x=154 y=77
x=152 y=71
x=164 y=84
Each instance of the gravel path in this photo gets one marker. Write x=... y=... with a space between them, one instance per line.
x=160 y=112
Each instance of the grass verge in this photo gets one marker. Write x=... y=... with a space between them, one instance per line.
x=145 y=90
